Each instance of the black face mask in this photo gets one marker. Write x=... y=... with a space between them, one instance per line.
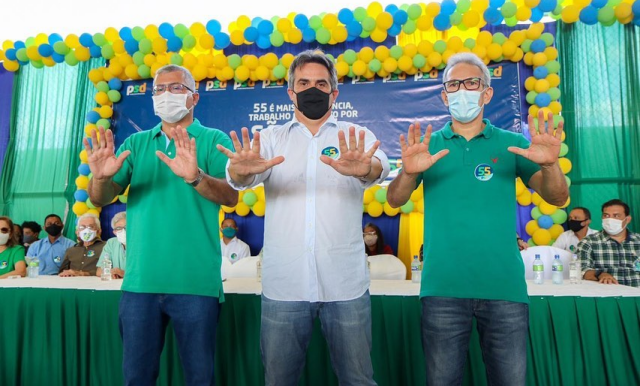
x=313 y=103
x=53 y=230
x=574 y=225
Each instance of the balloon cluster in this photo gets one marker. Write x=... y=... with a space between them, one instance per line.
x=375 y=202
x=249 y=200
x=547 y=220
x=374 y=22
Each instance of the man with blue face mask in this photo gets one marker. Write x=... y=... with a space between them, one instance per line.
x=232 y=247
x=468 y=170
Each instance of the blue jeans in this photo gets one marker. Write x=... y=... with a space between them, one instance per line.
x=446 y=327
x=143 y=321
x=286 y=330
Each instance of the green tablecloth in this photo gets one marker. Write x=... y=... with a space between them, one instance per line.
x=70 y=337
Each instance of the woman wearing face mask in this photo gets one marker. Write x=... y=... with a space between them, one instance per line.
x=11 y=253
x=374 y=241
x=116 y=247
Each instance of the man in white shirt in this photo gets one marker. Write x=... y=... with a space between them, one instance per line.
x=314 y=262
x=232 y=247
x=579 y=220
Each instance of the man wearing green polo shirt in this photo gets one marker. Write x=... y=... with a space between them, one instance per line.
x=469 y=169
x=169 y=183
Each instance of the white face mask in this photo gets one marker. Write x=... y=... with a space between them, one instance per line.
x=87 y=235
x=4 y=238
x=463 y=105
x=170 y=107
x=122 y=237
x=370 y=239
x=612 y=226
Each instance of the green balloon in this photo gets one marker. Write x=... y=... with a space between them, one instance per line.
x=234 y=61
x=138 y=58
x=470 y=43
x=176 y=59
x=375 y=65
x=350 y=56
x=71 y=59
x=114 y=96
x=557 y=119
x=407 y=208
x=526 y=45
x=188 y=42
x=455 y=19
x=60 y=48
x=351 y=74
x=30 y=41
x=564 y=149
x=368 y=24
x=559 y=216
x=535 y=213
x=606 y=14
x=145 y=46
x=277 y=38
x=409 y=27
x=441 y=66
x=123 y=199
x=499 y=38
x=90 y=204
x=180 y=30
x=554 y=93
x=511 y=21
x=99 y=39
x=548 y=39
x=279 y=71
x=531 y=243
x=360 y=14
x=531 y=97
x=396 y=52
x=415 y=11
x=614 y=3
x=37 y=63
x=440 y=46
x=323 y=35
x=508 y=10
x=553 y=66
x=558 y=10
x=250 y=198
x=381 y=195
x=103 y=86
x=568 y=181
x=104 y=123
x=138 y=33
x=21 y=55
x=463 y=6
x=315 y=22
x=274 y=20
x=365 y=34
x=144 y=71
x=107 y=51
x=419 y=61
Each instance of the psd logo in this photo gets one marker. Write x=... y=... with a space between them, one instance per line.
x=246 y=85
x=331 y=152
x=215 y=85
x=483 y=172
x=422 y=76
x=273 y=84
x=139 y=89
x=358 y=79
x=392 y=78
x=496 y=72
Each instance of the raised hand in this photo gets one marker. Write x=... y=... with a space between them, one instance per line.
x=247 y=161
x=102 y=159
x=353 y=161
x=185 y=163
x=545 y=145
x=415 y=153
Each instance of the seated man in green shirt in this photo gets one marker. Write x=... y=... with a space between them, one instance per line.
x=469 y=169
x=116 y=247
x=82 y=258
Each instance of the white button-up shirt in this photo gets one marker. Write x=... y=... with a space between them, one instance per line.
x=568 y=239
x=313 y=248
x=235 y=250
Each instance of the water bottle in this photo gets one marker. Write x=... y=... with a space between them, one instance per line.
x=574 y=270
x=259 y=268
x=33 y=269
x=538 y=271
x=106 y=268
x=556 y=270
x=416 y=271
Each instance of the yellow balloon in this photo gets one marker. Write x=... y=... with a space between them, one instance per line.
x=494 y=51
x=417 y=194
x=242 y=209
x=531 y=227
x=565 y=165
x=339 y=33
x=390 y=65
x=539 y=59
x=566 y=204
x=484 y=38
x=405 y=63
x=570 y=14
x=546 y=208
x=342 y=68
x=509 y=48
x=542 y=85
x=95 y=211
x=389 y=211
x=106 y=112
x=434 y=59
x=11 y=65
x=524 y=199
x=375 y=209
x=90 y=128
x=382 y=53
x=329 y=21
x=237 y=38
x=471 y=19
x=523 y=13
x=284 y=25
x=82 y=182
x=536 y=199
x=228 y=209
x=425 y=23
x=556 y=230
x=79 y=208
x=359 y=67
x=295 y=36
x=259 y=207
x=541 y=237
x=378 y=35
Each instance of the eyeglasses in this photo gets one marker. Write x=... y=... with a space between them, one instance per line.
x=4 y=230
x=469 y=84
x=174 y=88
x=83 y=227
x=119 y=229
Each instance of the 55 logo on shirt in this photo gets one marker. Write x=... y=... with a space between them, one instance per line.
x=483 y=172
x=331 y=152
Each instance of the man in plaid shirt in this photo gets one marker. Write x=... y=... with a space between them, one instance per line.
x=610 y=255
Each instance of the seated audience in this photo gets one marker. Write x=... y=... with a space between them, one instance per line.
x=82 y=259
x=232 y=247
x=30 y=233
x=374 y=241
x=579 y=220
x=116 y=247
x=11 y=253
x=52 y=248
x=608 y=256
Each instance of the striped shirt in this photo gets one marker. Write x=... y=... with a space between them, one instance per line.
x=601 y=253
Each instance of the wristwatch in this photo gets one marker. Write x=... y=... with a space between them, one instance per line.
x=199 y=178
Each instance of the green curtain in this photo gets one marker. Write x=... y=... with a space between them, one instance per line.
x=600 y=72
x=47 y=126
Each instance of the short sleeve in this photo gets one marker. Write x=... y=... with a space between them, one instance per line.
x=525 y=168
x=584 y=254
x=18 y=255
x=123 y=176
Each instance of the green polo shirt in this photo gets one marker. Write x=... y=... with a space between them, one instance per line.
x=470 y=248
x=10 y=257
x=173 y=244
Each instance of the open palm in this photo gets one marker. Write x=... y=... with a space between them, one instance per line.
x=415 y=152
x=353 y=161
x=102 y=159
x=247 y=160
x=185 y=163
x=545 y=144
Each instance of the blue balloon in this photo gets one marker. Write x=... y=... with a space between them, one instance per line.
x=540 y=72
x=263 y=42
x=54 y=38
x=86 y=40
x=93 y=116
x=545 y=221
x=600 y=3
x=18 y=44
x=309 y=35
x=448 y=7
x=174 y=44
x=251 y=34
x=166 y=30
x=115 y=84
x=45 y=50
x=538 y=45
x=391 y=8
x=301 y=21
x=354 y=28
x=499 y=21
x=547 y=5
x=265 y=27
x=84 y=170
x=636 y=21
x=95 y=51
x=345 y=16
x=536 y=15
x=442 y=22
x=57 y=57
x=255 y=21
x=395 y=30
x=131 y=46
x=400 y=17
x=11 y=54
x=213 y=27
x=543 y=99
x=496 y=3
x=491 y=15
x=81 y=195
x=589 y=15
x=125 y=33
x=222 y=41
x=636 y=9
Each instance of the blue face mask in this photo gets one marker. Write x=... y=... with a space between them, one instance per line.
x=463 y=105
x=229 y=232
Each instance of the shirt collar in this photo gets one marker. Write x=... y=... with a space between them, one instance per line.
x=330 y=121
x=448 y=133
x=194 y=129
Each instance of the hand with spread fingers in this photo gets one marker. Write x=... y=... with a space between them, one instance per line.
x=102 y=159
x=247 y=160
x=545 y=144
x=415 y=153
x=185 y=163
x=354 y=161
